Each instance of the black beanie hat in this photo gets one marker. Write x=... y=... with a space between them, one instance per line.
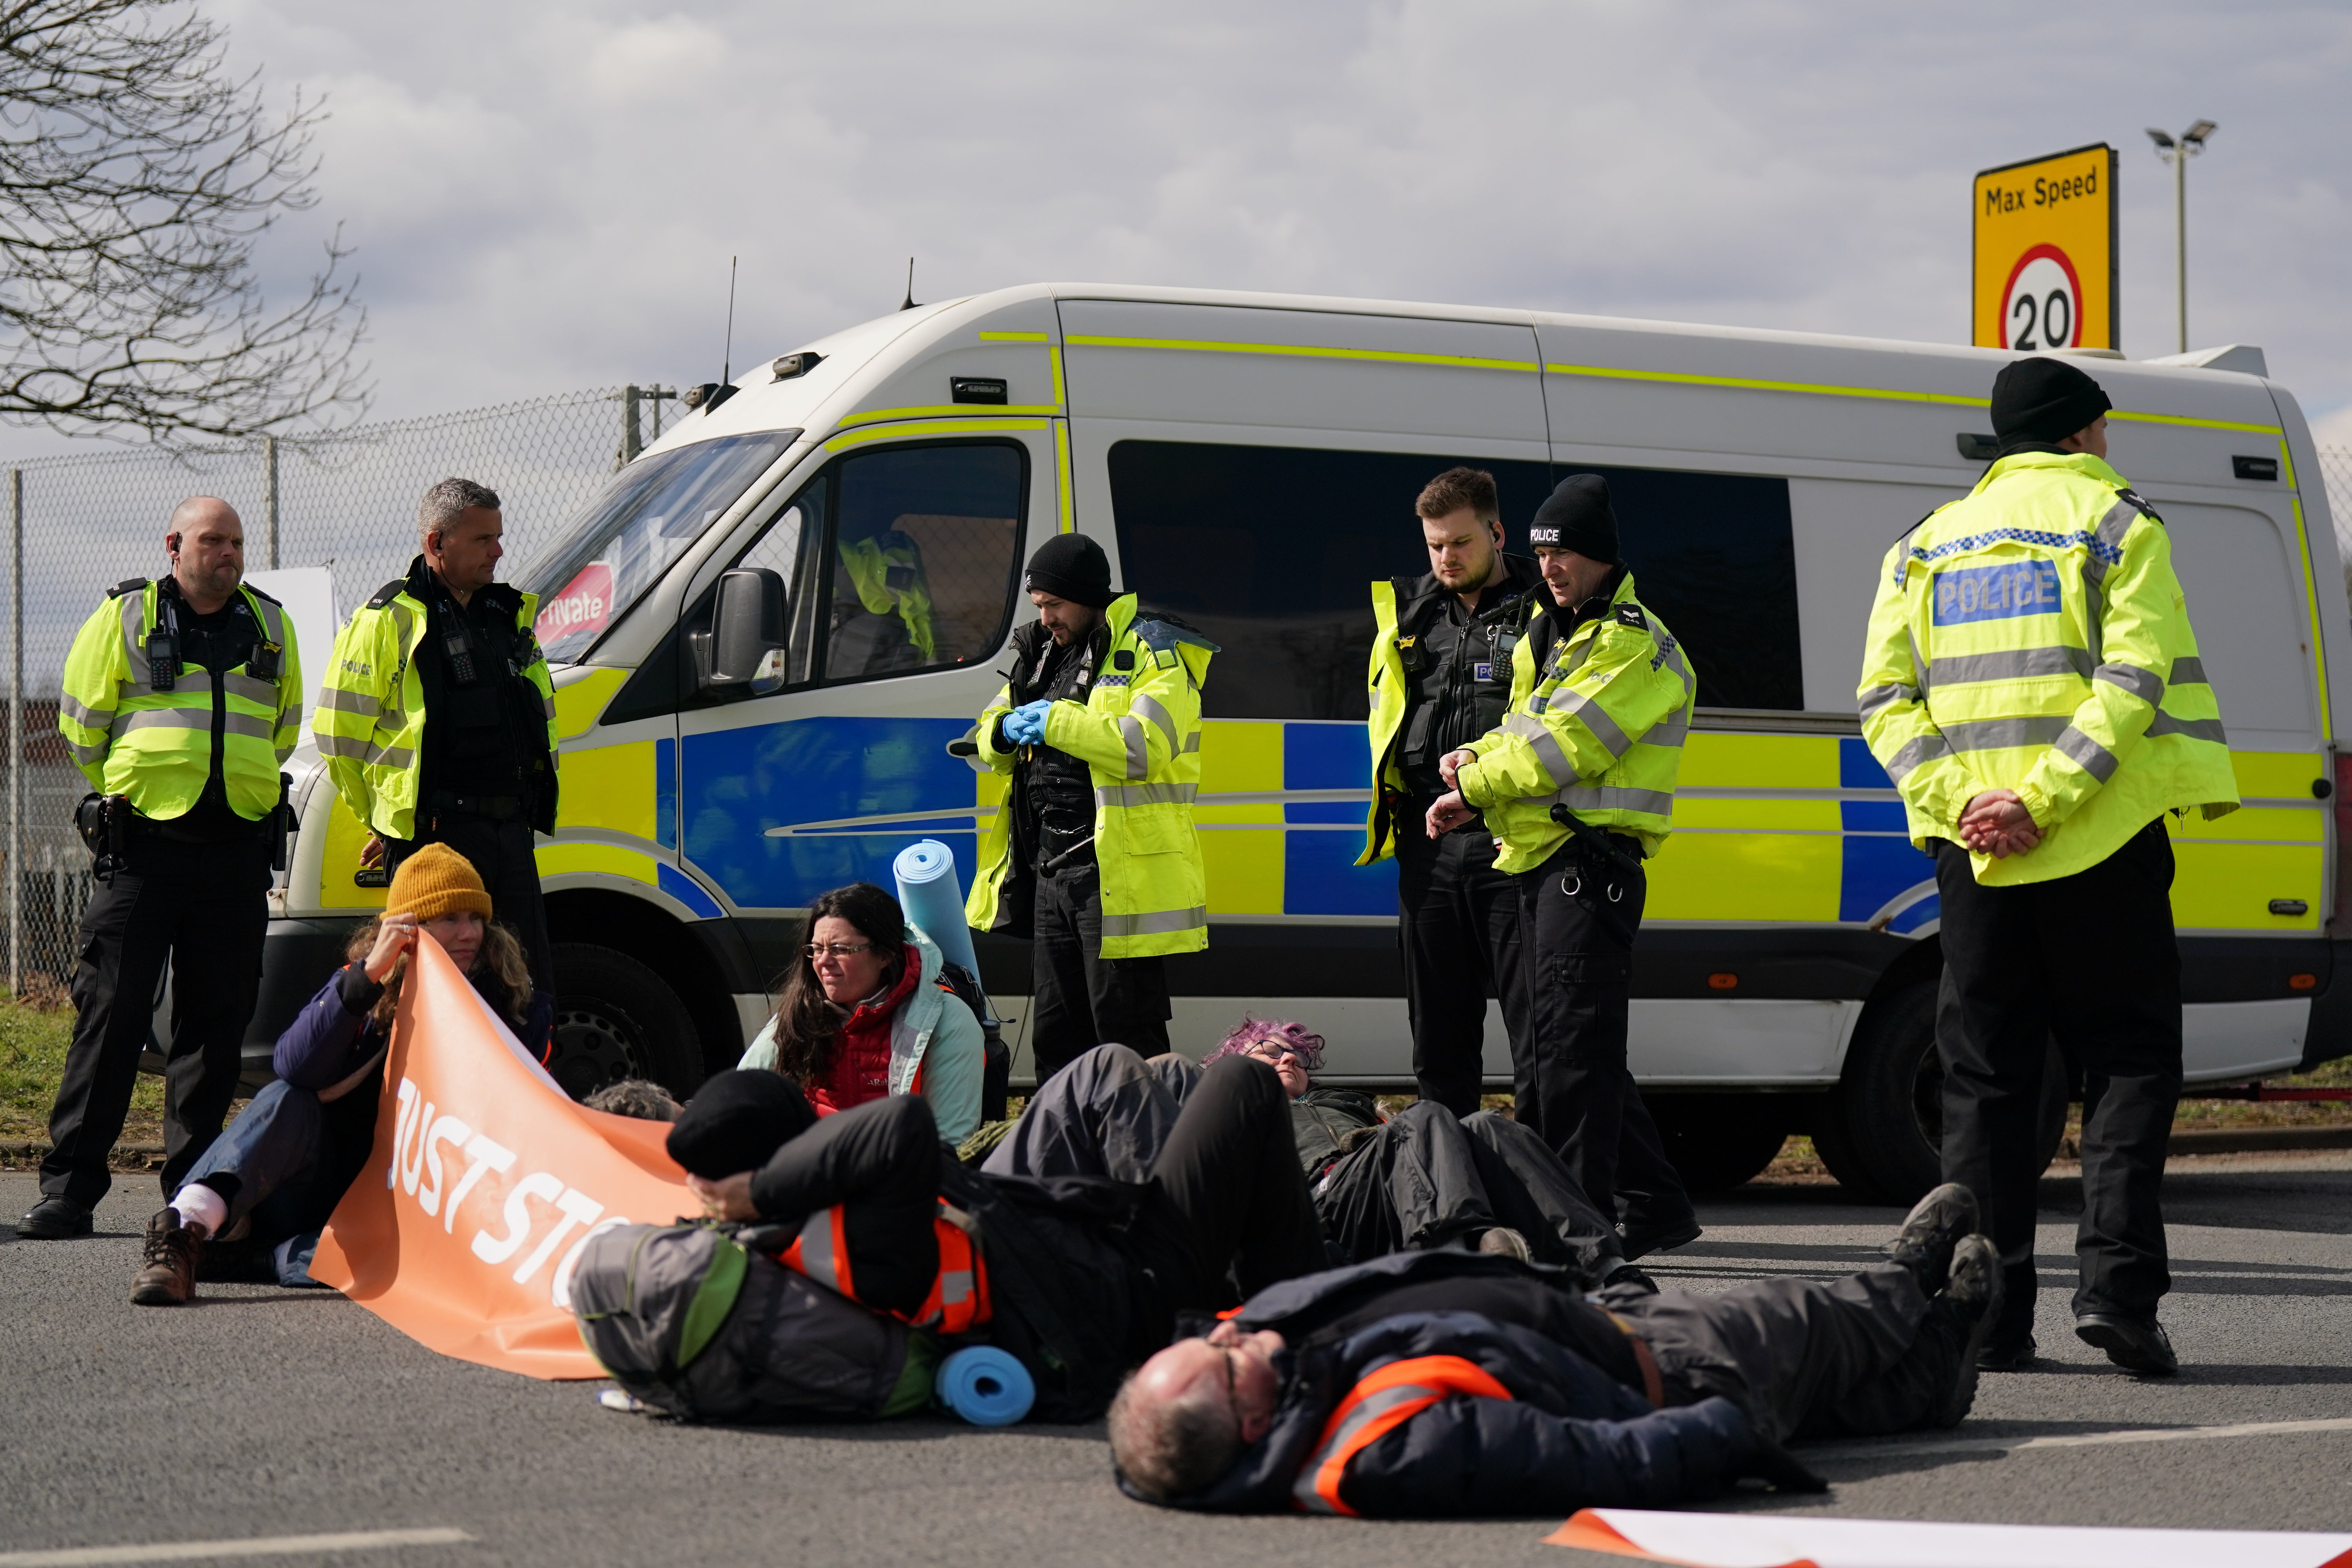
x=1071 y=566
x=1576 y=516
x=737 y=1120
x=2043 y=400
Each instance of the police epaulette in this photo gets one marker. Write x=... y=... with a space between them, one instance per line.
x=128 y=586
x=2137 y=501
x=388 y=593
x=1631 y=616
x=266 y=597
x=1916 y=527
x=1162 y=635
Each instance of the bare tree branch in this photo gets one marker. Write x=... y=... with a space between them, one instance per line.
x=135 y=178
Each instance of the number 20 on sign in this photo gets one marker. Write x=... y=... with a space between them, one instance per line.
x=2044 y=271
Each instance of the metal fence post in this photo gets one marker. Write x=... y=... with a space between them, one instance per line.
x=15 y=731
x=629 y=444
x=269 y=496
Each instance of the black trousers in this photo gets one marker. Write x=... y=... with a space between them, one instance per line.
x=1576 y=924
x=1080 y=999
x=2091 y=959
x=1458 y=934
x=202 y=906
x=504 y=855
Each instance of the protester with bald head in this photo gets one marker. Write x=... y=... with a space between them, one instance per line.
x=182 y=701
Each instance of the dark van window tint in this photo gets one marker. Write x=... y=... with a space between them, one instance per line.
x=1272 y=552
x=923 y=554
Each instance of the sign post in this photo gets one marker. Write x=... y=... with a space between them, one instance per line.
x=2044 y=263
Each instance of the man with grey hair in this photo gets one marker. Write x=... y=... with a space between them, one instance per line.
x=437 y=718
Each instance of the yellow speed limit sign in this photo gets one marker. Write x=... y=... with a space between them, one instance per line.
x=2045 y=253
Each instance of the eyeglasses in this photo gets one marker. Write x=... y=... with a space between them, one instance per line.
x=837 y=948
x=1271 y=1051
x=1233 y=1386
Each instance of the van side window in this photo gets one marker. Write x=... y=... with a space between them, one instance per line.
x=924 y=552
x=1272 y=550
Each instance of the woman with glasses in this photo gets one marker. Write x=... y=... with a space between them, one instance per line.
x=863 y=1013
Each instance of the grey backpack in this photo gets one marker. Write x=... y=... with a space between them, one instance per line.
x=696 y=1325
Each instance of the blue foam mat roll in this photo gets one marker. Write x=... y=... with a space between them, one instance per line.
x=932 y=899
x=985 y=1386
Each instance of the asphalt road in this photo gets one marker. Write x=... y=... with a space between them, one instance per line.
x=259 y=1413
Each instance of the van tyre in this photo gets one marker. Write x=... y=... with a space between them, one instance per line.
x=1881 y=1130
x=616 y=1018
x=1718 y=1141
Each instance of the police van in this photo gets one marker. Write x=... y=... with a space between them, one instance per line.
x=767 y=630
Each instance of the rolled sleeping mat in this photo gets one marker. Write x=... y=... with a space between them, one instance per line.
x=984 y=1385
x=933 y=898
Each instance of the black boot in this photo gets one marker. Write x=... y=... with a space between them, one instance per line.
x=1931 y=1231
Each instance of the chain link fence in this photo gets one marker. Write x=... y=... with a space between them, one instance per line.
x=346 y=501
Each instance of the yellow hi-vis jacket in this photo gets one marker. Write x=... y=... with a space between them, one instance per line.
x=2031 y=637
x=371 y=720
x=156 y=747
x=1139 y=733
x=1599 y=728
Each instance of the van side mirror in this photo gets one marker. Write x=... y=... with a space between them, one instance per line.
x=747 y=633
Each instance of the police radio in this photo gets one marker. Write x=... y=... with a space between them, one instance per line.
x=163 y=646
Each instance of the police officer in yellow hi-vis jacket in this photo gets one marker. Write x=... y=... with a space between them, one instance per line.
x=2033 y=687
x=1578 y=785
x=183 y=699
x=1093 y=854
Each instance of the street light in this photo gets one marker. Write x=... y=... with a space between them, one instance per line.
x=2177 y=153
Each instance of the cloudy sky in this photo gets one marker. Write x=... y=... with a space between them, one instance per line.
x=544 y=195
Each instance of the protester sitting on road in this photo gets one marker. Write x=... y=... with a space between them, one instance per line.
x=865 y=1014
x=1448 y=1383
x=636 y=1097
x=1083 y=1275
x=276 y=1174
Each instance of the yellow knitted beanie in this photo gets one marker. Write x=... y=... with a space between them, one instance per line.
x=437 y=880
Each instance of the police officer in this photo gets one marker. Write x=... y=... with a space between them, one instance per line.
x=1094 y=854
x=2033 y=687
x=1577 y=784
x=437 y=718
x=1441 y=677
x=183 y=699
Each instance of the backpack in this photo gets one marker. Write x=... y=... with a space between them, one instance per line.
x=996 y=1057
x=694 y=1324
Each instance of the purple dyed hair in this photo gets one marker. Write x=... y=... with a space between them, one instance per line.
x=1294 y=1038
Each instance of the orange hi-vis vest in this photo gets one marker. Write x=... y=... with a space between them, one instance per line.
x=1381 y=1400
x=958 y=1301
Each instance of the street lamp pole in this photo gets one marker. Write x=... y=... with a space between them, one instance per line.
x=2177 y=152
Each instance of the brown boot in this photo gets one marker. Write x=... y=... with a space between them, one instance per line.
x=169 y=1277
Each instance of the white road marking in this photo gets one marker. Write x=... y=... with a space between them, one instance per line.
x=1835 y=1452
x=257 y=1546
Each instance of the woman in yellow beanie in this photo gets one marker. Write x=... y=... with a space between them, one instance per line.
x=275 y=1173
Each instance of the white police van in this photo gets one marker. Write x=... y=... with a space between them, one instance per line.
x=735 y=743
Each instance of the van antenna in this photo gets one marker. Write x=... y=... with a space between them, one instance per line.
x=727 y=356
x=911 y=285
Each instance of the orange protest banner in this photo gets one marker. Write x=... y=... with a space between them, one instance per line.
x=486 y=1179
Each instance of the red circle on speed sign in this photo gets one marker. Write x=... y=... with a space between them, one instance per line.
x=2041 y=303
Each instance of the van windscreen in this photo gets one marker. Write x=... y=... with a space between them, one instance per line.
x=640 y=522
x=1272 y=550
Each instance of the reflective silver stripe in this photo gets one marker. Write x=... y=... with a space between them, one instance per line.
x=248 y=724
x=252 y=690
x=88 y=756
x=2195 y=729
x=2188 y=670
x=2093 y=759
x=1577 y=705
x=2011 y=664
x=2093 y=618
x=818 y=1260
x=1591 y=797
x=1669 y=730
x=134 y=621
x=2144 y=684
x=549 y=704
x=89 y=717
x=337 y=699
x=1152 y=710
x=1918 y=665
x=1158 y=923
x=1192 y=743
x=1878 y=696
x=1995 y=734
x=2116 y=523
x=1146 y=795
x=1305 y=1491
x=335 y=745
x=164 y=718
x=1671 y=650
x=1912 y=752
x=1546 y=746
x=389 y=756
x=1139 y=756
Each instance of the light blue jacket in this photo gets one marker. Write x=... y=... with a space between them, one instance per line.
x=934 y=1042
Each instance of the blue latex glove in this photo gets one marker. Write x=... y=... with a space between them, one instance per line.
x=1025 y=725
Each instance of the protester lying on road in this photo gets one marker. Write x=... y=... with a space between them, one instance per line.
x=277 y=1173
x=1082 y=1276
x=1422 y=1179
x=865 y=1014
x=1450 y=1382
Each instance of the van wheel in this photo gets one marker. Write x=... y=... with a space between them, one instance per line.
x=1882 y=1128
x=1718 y=1141
x=616 y=1018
